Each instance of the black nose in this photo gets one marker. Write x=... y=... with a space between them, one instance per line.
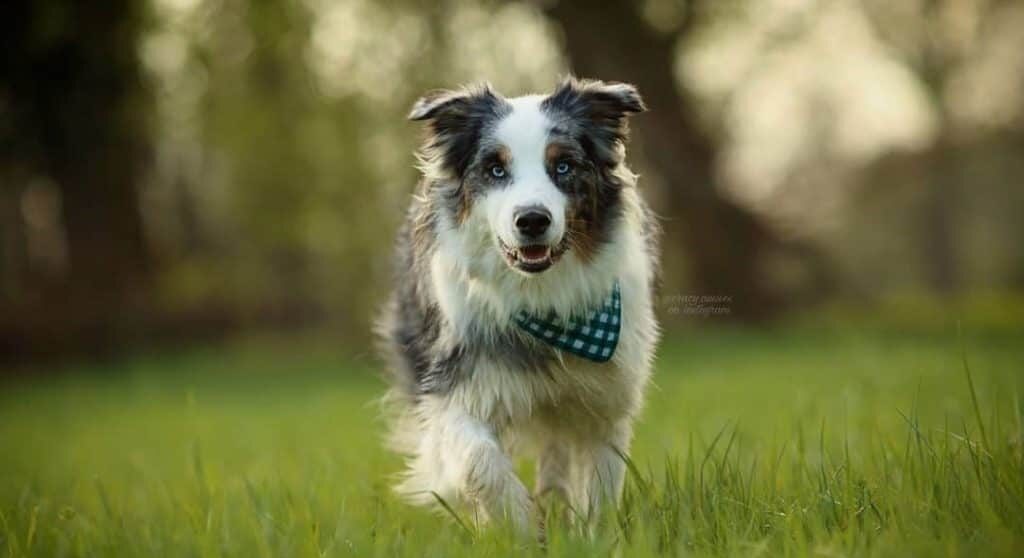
x=532 y=222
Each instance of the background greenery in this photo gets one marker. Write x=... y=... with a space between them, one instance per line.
x=197 y=205
x=838 y=440
x=178 y=170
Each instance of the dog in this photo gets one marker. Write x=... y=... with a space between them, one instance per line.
x=521 y=319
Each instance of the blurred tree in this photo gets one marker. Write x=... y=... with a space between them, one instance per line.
x=13 y=255
x=282 y=161
x=299 y=202
x=724 y=242
x=74 y=94
x=937 y=40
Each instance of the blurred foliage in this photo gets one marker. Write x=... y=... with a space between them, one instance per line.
x=293 y=154
x=884 y=137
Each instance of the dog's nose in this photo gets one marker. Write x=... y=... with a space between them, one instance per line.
x=532 y=222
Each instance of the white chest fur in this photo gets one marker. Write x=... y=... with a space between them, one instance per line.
x=478 y=295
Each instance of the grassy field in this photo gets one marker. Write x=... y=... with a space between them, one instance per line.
x=802 y=441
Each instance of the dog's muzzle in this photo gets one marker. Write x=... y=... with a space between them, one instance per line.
x=532 y=258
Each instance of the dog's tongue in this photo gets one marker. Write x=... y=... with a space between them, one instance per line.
x=533 y=252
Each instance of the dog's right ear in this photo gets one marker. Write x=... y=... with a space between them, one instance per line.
x=455 y=121
x=433 y=102
x=442 y=103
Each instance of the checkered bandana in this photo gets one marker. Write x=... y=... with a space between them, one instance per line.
x=592 y=336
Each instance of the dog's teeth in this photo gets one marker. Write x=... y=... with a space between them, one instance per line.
x=534 y=260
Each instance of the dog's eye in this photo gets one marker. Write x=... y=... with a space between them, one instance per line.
x=562 y=168
x=498 y=171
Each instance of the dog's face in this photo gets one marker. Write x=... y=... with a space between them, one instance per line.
x=538 y=170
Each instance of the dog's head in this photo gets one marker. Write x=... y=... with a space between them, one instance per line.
x=536 y=174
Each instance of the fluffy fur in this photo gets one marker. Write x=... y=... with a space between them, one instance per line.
x=469 y=389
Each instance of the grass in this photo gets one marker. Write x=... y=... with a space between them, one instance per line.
x=802 y=441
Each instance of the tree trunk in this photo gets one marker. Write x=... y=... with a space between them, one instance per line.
x=13 y=257
x=81 y=108
x=724 y=242
x=78 y=106
x=939 y=247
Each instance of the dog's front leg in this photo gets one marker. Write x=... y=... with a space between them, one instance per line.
x=601 y=470
x=553 y=471
x=482 y=474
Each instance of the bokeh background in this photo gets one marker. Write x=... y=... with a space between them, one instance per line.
x=179 y=171
x=198 y=201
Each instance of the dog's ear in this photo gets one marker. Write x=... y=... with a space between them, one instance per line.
x=434 y=102
x=599 y=109
x=444 y=103
x=455 y=121
x=618 y=99
x=594 y=99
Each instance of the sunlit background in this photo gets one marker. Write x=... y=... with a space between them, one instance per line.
x=199 y=198
x=177 y=171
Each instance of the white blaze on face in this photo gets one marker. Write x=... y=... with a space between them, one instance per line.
x=524 y=132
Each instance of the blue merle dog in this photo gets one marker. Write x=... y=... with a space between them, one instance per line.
x=521 y=318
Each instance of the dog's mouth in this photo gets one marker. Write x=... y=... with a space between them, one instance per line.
x=532 y=258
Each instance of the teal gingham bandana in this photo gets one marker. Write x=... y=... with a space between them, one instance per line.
x=593 y=336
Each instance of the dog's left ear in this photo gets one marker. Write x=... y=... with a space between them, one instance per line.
x=600 y=108
x=597 y=99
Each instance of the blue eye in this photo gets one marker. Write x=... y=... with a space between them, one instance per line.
x=498 y=171
x=562 y=168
